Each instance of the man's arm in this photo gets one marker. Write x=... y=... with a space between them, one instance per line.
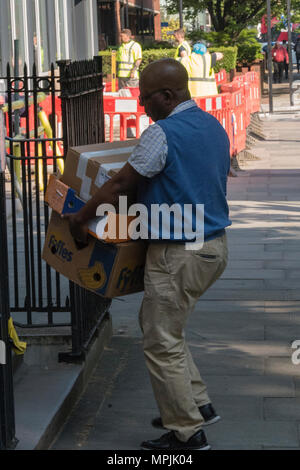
x=135 y=67
x=287 y=57
x=183 y=52
x=123 y=183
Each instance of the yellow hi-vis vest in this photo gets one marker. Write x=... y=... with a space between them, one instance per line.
x=128 y=54
x=186 y=45
x=202 y=80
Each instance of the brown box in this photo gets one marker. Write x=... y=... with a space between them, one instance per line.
x=88 y=167
x=110 y=270
x=64 y=200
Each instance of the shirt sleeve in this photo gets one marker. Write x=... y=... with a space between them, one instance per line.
x=137 y=52
x=182 y=49
x=213 y=60
x=149 y=156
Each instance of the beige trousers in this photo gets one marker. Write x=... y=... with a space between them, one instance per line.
x=175 y=278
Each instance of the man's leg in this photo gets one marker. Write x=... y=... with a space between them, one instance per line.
x=122 y=82
x=280 y=71
x=174 y=280
x=275 y=74
x=199 y=388
x=286 y=70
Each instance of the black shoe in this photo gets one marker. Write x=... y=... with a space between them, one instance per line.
x=209 y=414
x=207 y=411
x=170 y=442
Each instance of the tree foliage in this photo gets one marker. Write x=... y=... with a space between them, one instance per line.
x=232 y=16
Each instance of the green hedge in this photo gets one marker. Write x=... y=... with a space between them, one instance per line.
x=228 y=62
x=148 y=56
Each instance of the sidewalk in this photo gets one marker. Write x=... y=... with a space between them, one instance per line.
x=241 y=331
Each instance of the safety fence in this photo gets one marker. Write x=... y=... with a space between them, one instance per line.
x=232 y=107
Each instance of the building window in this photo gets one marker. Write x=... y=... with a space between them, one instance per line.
x=106 y=24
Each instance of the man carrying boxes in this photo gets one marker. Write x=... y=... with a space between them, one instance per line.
x=108 y=265
x=181 y=162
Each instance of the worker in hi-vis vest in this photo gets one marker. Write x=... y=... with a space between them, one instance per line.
x=199 y=66
x=129 y=58
x=183 y=49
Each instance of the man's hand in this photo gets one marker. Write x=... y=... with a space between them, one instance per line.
x=78 y=229
x=125 y=182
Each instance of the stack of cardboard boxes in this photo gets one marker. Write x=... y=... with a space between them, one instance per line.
x=107 y=266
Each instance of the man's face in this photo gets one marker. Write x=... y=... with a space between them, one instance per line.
x=125 y=37
x=154 y=102
x=178 y=37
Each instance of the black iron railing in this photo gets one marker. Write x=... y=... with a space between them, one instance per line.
x=33 y=152
x=44 y=116
x=83 y=121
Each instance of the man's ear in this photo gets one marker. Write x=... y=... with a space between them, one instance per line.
x=168 y=94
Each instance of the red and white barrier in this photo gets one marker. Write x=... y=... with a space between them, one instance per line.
x=232 y=107
x=130 y=112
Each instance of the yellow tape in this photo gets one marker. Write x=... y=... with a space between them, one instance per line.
x=17 y=163
x=40 y=168
x=19 y=347
x=48 y=131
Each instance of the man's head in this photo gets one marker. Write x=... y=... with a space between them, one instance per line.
x=277 y=44
x=163 y=85
x=179 y=35
x=125 y=35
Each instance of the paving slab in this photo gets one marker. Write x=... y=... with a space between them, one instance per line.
x=282 y=366
x=252 y=386
x=281 y=409
x=255 y=434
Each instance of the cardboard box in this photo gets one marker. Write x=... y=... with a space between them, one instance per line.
x=110 y=270
x=88 y=167
x=63 y=200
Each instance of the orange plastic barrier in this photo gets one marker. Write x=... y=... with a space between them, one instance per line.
x=221 y=77
x=220 y=107
x=130 y=113
x=232 y=107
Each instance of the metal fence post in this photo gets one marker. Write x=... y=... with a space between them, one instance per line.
x=7 y=413
x=83 y=123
